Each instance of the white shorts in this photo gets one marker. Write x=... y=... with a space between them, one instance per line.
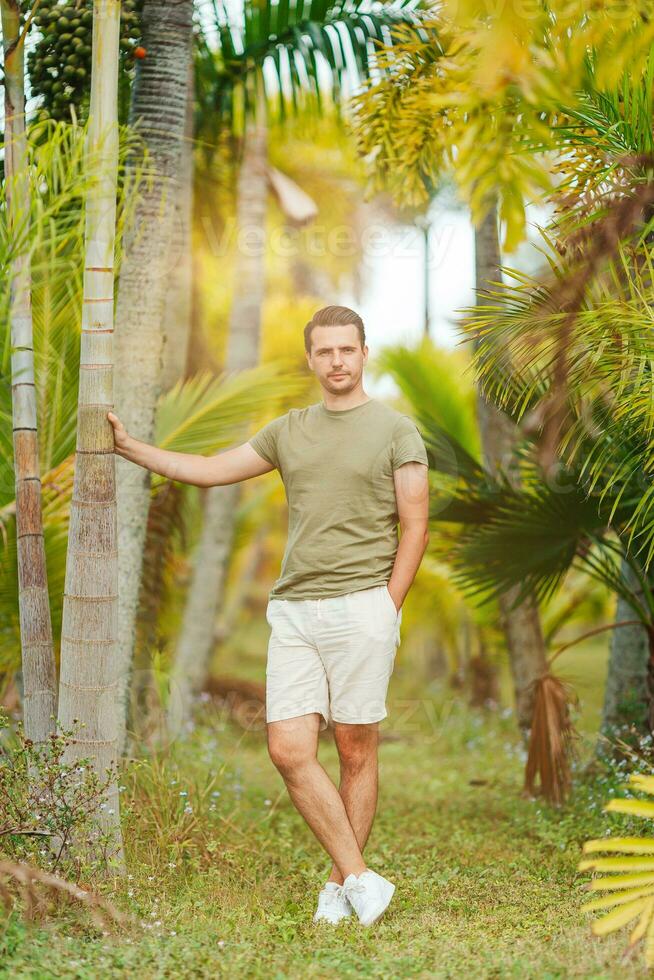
x=334 y=656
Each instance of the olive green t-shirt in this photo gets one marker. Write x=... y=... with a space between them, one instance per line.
x=337 y=469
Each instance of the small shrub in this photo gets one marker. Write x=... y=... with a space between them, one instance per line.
x=48 y=807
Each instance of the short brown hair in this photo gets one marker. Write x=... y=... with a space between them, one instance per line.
x=333 y=316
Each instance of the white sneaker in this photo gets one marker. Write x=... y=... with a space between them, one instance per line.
x=332 y=904
x=369 y=895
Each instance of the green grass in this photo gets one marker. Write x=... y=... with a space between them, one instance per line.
x=224 y=874
x=486 y=880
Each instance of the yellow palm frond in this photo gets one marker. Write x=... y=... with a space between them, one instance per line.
x=618 y=882
x=626 y=845
x=630 y=878
x=617 y=898
x=618 y=917
x=644 y=784
x=633 y=808
x=617 y=864
x=643 y=923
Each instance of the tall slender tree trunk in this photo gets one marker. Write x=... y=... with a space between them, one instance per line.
x=522 y=627
x=214 y=548
x=176 y=330
x=425 y=227
x=626 y=697
x=177 y=312
x=159 y=113
x=88 y=635
x=38 y=664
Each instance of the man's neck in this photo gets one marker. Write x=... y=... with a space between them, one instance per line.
x=338 y=403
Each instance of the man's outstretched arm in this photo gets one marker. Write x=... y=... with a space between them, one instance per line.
x=232 y=466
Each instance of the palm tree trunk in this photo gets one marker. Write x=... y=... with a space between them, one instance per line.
x=38 y=664
x=522 y=627
x=425 y=227
x=88 y=635
x=158 y=112
x=626 y=697
x=177 y=312
x=214 y=548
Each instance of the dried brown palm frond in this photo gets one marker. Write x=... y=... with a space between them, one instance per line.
x=551 y=740
x=39 y=891
x=590 y=246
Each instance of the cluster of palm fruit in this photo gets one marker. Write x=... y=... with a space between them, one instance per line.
x=59 y=65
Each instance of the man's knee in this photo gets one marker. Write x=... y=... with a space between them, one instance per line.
x=287 y=757
x=357 y=745
x=289 y=750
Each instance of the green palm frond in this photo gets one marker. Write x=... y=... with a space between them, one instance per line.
x=301 y=44
x=582 y=601
x=202 y=414
x=602 y=130
x=441 y=395
x=528 y=533
x=526 y=539
x=609 y=428
x=520 y=324
x=447 y=456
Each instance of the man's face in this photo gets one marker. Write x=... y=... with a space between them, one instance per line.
x=336 y=357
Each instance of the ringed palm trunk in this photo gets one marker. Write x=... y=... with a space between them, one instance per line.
x=158 y=112
x=89 y=624
x=214 y=548
x=626 y=696
x=38 y=664
x=522 y=627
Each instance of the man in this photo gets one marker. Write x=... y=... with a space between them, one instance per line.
x=351 y=467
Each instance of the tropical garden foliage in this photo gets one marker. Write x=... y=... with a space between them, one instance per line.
x=157 y=137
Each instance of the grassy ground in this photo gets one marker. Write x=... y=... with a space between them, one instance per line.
x=223 y=874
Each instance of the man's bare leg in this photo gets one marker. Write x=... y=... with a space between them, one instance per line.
x=293 y=748
x=357 y=751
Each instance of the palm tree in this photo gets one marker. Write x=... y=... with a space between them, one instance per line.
x=605 y=130
x=520 y=621
x=277 y=34
x=215 y=545
x=255 y=178
x=177 y=312
x=89 y=675
x=158 y=113
x=597 y=512
x=38 y=663
x=57 y=168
